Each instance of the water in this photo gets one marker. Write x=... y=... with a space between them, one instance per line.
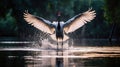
x=30 y=54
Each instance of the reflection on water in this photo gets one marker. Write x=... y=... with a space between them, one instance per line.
x=48 y=56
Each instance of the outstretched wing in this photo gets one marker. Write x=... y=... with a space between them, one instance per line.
x=40 y=23
x=79 y=20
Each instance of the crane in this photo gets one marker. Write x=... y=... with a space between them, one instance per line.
x=58 y=30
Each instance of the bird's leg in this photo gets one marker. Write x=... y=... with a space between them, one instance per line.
x=62 y=46
x=57 y=46
x=62 y=43
x=57 y=43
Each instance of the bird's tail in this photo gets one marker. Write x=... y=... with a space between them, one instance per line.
x=53 y=36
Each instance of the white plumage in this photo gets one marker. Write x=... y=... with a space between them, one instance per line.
x=58 y=30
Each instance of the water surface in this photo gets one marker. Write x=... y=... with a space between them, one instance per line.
x=30 y=54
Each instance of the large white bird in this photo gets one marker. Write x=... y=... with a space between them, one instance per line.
x=58 y=30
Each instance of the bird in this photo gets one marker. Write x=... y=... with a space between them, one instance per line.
x=58 y=30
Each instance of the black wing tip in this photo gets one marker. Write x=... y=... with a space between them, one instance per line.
x=25 y=12
x=90 y=9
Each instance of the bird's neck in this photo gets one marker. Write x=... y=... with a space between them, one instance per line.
x=58 y=26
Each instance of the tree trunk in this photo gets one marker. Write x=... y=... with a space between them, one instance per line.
x=117 y=33
x=112 y=32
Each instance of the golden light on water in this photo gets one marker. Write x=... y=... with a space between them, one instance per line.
x=76 y=52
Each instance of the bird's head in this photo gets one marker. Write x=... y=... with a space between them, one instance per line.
x=58 y=16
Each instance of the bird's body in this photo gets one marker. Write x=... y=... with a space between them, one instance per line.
x=59 y=29
x=59 y=34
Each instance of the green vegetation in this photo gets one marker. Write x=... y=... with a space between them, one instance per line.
x=112 y=15
x=8 y=25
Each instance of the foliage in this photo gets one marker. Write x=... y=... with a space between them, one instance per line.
x=112 y=15
x=112 y=11
x=8 y=24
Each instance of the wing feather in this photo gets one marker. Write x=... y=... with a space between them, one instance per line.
x=79 y=20
x=40 y=23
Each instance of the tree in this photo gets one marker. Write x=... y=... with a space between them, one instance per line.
x=112 y=15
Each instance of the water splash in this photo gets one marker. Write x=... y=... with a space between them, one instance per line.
x=16 y=42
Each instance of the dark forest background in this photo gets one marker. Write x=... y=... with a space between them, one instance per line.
x=106 y=25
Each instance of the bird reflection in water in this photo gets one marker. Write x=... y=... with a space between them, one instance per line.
x=59 y=62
